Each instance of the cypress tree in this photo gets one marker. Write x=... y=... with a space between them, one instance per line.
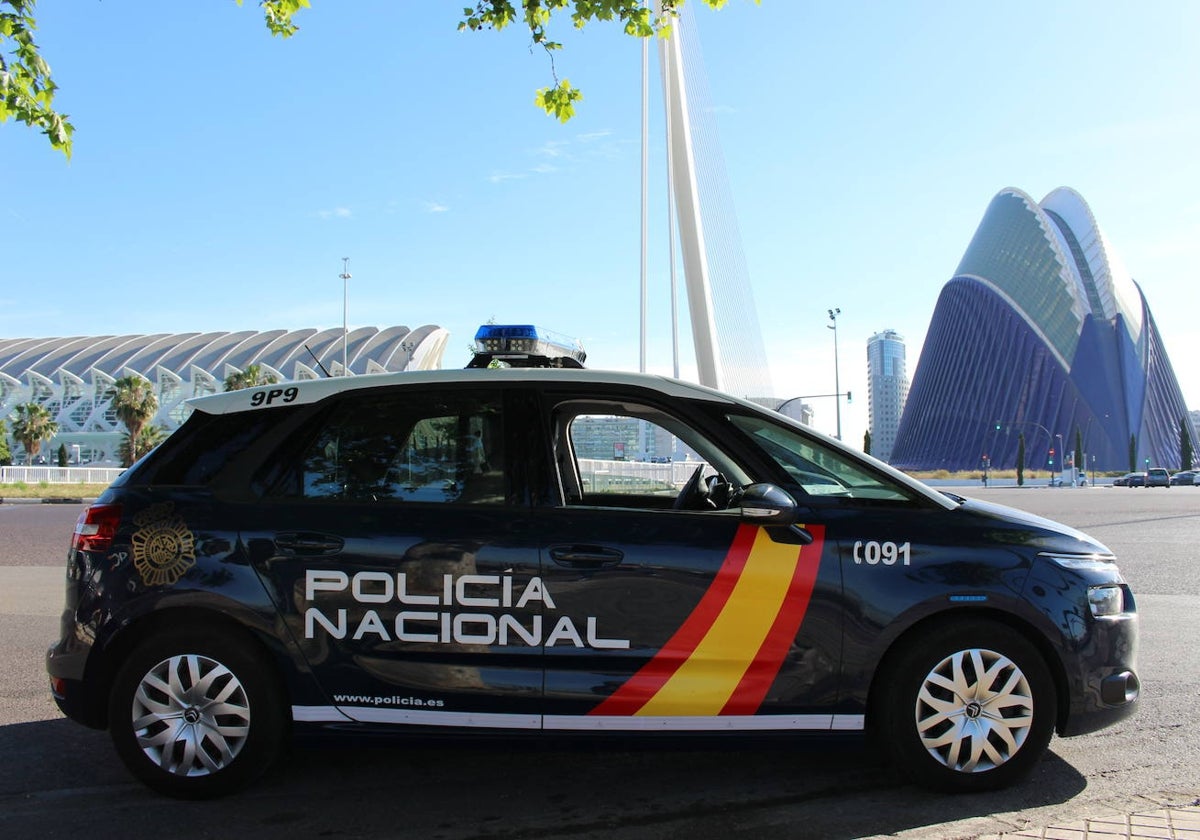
x=1186 y=453
x=1021 y=459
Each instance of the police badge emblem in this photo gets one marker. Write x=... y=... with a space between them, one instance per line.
x=163 y=547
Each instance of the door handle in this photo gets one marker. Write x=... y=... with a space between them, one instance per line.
x=307 y=543
x=585 y=556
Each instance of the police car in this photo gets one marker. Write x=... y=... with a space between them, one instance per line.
x=507 y=551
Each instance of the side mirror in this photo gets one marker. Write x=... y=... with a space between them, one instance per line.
x=767 y=505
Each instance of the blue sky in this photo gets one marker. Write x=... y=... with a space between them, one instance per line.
x=220 y=175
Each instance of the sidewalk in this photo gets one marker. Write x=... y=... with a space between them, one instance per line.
x=1170 y=822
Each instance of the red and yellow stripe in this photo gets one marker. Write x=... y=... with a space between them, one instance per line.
x=725 y=656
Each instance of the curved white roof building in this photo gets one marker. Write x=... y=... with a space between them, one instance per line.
x=73 y=376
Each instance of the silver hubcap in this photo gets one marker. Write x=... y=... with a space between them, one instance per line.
x=974 y=710
x=191 y=715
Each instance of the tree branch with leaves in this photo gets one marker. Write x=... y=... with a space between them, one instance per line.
x=637 y=17
x=27 y=91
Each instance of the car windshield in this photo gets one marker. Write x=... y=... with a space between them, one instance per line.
x=818 y=469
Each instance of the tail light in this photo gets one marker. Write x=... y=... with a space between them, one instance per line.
x=96 y=527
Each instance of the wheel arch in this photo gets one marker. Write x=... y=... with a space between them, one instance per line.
x=1053 y=662
x=102 y=670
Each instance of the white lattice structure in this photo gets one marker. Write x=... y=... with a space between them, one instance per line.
x=73 y=377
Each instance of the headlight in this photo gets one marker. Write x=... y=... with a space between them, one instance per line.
x=1080 y=562
x=1106 y=600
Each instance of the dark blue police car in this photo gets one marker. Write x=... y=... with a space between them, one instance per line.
x=423 y=552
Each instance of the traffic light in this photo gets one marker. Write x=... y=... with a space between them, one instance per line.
x=1052 y=456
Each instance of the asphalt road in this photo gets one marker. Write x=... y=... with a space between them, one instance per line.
x=58 y=779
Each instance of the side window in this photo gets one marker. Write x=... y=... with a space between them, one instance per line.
x=633 y=456
x=820 y=470
x=435 y=448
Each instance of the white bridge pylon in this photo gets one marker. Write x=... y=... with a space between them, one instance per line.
x=726 y=337
x=681 y=162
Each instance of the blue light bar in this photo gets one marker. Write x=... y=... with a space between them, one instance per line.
x=530 y=344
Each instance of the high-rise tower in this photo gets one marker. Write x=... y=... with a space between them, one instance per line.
x=887 y=386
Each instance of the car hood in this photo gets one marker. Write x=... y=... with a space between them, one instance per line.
x=1030 y=529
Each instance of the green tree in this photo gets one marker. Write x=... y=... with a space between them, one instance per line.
x=61 y=458
x=1132 y=453
x=5 y=450
x=34 y=426
x=1187 y=451
x=135 y=403
x=867 y=442
x=27 y=91
x=1021 y=459
x=251 y=377
x=132 y=448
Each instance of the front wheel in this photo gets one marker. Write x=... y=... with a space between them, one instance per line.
x=968 y=706
x=195 y=718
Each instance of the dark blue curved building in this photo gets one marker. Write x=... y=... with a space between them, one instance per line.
x=1041 y=332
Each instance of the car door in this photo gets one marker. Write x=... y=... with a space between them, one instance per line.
x=664 y=610
x=394 y=535
x=904 y=553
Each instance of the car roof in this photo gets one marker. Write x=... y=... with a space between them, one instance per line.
x=313 y=390
x=309 y=391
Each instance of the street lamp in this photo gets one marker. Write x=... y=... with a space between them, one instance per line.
x=1062 y=457
x=837 y=384
x=779 y=408
x=345 y=275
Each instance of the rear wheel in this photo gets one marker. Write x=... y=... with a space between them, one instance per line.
x=968 y=706
x=195 y=718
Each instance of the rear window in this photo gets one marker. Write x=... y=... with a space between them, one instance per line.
x=201 y=447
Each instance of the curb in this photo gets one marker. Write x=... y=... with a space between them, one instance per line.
x=44 y=501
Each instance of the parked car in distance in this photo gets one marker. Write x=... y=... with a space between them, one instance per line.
x=1187 y=478
x=1133 y=479
x=1158 y=477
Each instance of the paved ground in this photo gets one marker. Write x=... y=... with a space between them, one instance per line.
x=1172 y=823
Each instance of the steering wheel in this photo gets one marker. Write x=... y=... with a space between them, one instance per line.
x=691 y=488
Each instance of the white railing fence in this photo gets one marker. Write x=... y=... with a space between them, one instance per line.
x=58 y=475
x=634 y=476
x=598 y=475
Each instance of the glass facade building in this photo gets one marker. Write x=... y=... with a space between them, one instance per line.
x=887 y=390
x=1042 y=334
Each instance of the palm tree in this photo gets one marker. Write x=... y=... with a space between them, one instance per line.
x=5 y=452
x=131 y=449
x=135 y=403
x=33 y=426
x=251 y=377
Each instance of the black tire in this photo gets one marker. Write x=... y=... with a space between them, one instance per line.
x=197 y=714
x=967 y=706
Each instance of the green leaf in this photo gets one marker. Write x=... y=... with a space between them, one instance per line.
x=559 y=102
